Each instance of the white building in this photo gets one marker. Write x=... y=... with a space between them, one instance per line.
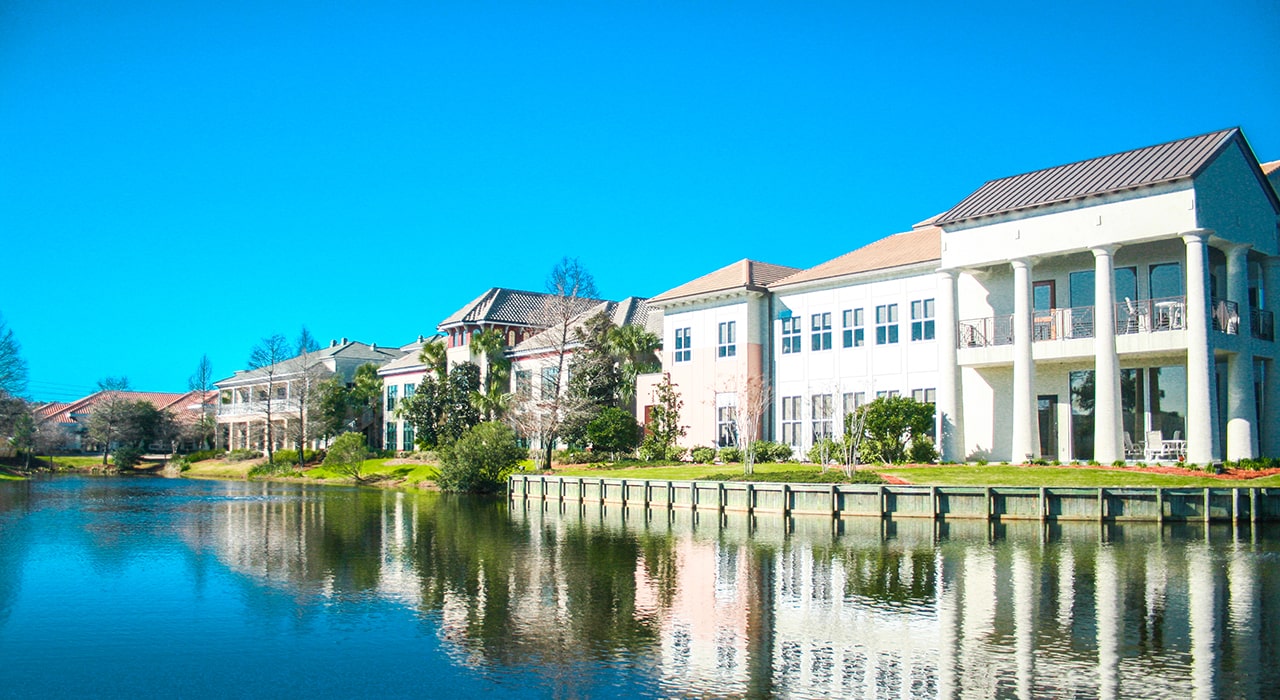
x=1157 y=269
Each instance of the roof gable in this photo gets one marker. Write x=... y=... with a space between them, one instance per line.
x=907 y=248
x=744 y=274
x=513 y=307
x=1165 y=162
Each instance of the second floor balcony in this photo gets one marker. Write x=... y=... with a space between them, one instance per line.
x=1131 y=316
x=255 y=408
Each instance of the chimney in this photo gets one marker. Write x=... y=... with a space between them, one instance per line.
x=344 y=342
x=373 y=346
x=421 y=339
x=333 y=343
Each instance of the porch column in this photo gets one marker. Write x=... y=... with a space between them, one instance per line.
x=1270 y=439
x=950 y=428
x=1242 y=407
x=1025 y=438
x=1108 y=443
x=1202 y=443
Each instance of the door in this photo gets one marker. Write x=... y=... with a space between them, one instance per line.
x=1044 y=300
x=1047 y=409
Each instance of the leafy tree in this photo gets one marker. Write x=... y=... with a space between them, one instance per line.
x=594 y=377
x=435 y=356
x=614 y=430
x=13 y=369
x=267 y=356
x=347 y=455
x=364 y=400
x=637 y=352
x=460 y=414
x=893 y=425
x=480 y=460
x=425 y=411
x=21 y=427
x=664 y=421
x=331 y=412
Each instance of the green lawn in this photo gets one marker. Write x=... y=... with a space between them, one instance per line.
x=994 y=475
x=78 y=462
x=680 y=471
x=412 y=472
x=217 y=469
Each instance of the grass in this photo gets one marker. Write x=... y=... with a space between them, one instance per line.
x=378 y=469
x=217 y=469
x=996 y=475
x=78 y=461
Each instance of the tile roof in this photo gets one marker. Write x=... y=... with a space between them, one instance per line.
x=914 y=246
x=170 y=401
x=744 y=274
x=1165 y=162
x=1268 y=168
x=632 y=311
x=350 y=349
x=510 y=306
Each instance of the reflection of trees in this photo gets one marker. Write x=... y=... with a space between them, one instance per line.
x=885 y=574
x=15 y=501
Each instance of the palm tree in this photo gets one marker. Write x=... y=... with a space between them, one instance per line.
x=435 y=357
x=493 y=403
x=636 y=350
x=490 y=344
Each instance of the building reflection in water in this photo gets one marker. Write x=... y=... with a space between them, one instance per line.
x=731 y=605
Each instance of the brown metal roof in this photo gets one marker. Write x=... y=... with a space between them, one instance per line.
x=744 y=274
x=1121 y=171
x=915 y=246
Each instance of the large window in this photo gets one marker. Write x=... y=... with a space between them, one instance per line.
x=1166 y=280
x=886 y=324
x=391 y=435
x=821 y=327
x=550 y=377
x=391 y=398
x=726 y=345
x=408 y=436
x=409 y=390
x=524 y=382
x=853 y=335
x=726 y=429
x=924 y=395
x=821 y=416
x=791 y=420
x=922 y=319
x=683 y=343
x=790 y=335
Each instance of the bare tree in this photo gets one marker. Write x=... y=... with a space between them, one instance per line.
x=855 y=427
x=202 y=382
x=110 y=413
x=267 y=356
x=570 y=289
x=306 y=389
x=753 y=397
x=13 y=369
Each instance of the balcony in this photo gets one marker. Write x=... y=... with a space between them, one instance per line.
x=1226 y=317
x=1262 y=324
x=246 y=408
x=1141 y=316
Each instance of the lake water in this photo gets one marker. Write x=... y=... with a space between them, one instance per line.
x=147 y=587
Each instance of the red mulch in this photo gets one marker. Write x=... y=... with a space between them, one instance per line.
x=1228 y=474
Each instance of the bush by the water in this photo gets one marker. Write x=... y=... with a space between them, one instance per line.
x=654 y=451
x=242 y=455
x=126 y=457
x=347 y=454
x=575 y=456
x=291 y=456
x=614 y=430
x=730 y=454
x=481 y=459
x=274 y=469
x=769 y=451
x=202 y=455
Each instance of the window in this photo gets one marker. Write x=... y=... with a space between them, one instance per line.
x=854 y=401
x=408 y=436
x=409 y=389
x=924 y=395
x=281 y=392
x=853 y=332
x=922 y=319
x=791 y=420
x=683 y=341
x=790 y=335
x=524 y=382
x=821 y=325
x=391 y=435
x=550 y=375
x=391 y=398
x=726 y=345
x=725 y=427
x=821 y=416
x=886 y=324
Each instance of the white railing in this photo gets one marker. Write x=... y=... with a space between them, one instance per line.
x=257 y=407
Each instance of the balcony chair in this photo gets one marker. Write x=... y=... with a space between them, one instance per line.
x=1137 y=320
x=1132 y=450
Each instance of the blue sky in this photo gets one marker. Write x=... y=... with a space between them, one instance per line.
x=185 y=178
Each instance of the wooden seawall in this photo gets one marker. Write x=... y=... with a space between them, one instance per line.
x=1137 y=504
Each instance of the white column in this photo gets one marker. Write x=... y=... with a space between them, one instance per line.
x=1202 y=444
x=1025 y=438
x=1108 y=443
x=1201 y=596
x=1271 y=381
x=1242 y=408
x=1107 y=608
x=948 y=409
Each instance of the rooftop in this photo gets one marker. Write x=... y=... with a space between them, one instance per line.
x=907 y=248
x=512 y=307
x=744 y=274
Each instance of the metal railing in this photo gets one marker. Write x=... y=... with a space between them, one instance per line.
x=1151 y=315
x=257 y=407
x=986 y=332
x=1131 y=316
x=1262 y=324
x=1226 y=316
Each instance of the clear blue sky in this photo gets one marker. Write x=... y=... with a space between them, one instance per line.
x=179 y=178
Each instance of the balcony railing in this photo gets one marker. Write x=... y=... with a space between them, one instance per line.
x=1142 y=316
x=986 y=332
x=1262 y=324
x=1226 y=316
x=1151 y=315
x=257 y=407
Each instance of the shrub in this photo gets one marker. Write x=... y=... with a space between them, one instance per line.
x=702 y=454
x=347 y=454
x=202 y=455
x=893 y=425
x=576 y=456
x=276 y=469
x=291 y=456
x=823 y=451
x=769 y=451
x=126 y=457
x=242 y=455
x=481 y=459
x=614 y=430
x=831 y=476
x=730 y=454
x=922 y=450
x=675 y=453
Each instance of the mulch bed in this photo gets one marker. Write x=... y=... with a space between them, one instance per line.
x=1228 y=474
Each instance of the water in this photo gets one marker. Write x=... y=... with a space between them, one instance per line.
x=147 y=587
